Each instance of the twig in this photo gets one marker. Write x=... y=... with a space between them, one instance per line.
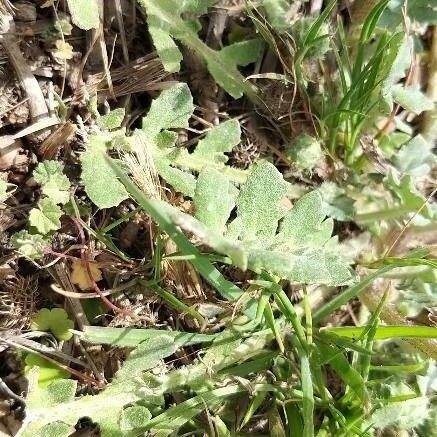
x=429 y=125
x=37 y=105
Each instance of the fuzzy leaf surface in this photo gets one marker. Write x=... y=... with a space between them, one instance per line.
x=31 y=246
x=84 y=13
x=412 y=98
x=101 y=184
x=214 y=199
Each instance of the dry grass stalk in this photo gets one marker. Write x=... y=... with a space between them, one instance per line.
x=141 y=75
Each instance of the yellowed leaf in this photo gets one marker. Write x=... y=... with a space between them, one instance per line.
x=79 y=274
x=63 y=50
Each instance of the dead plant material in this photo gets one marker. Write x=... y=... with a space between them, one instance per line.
x=50 y=147
x=143 y=74
x=12 y=153
x=18 y=300
x=37 y=105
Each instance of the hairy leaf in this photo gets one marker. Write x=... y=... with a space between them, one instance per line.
x=112 y=120
x=29 y=245
x=411 y=98
x=172 y=109
x=101 y=184
x=214 y=199
x=46 y=170
x=408 y=195
x=415 y=158
x=84 y=13
x=166 y=22
x=259 y=203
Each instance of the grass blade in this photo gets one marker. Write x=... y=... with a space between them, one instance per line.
x=385 y=332
x=348 y=294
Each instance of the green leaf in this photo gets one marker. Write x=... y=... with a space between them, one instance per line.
x=385 y=332
x=410 y=198
x=415 y=158
x=420 y=11
x=147 y=355
x=56 y=321
x=241 y=53
x=134 y=418
x=259 y=203
x=112 y=120
x=172 y=163
x=84 y=13
x=304 y=152
x=101 y=184
x=276 y=11
x=57 y=189
x=46 y=170
x=48 y=372
x=55 y=184
x=214 y=199
x=172 y=109
x=46 y=217
x=400 y=57
x=55 y=429
x=167 y=23
x=29 y=245
x=220 y=139
x=130 y=337
x=166 y=48
x=412 y=98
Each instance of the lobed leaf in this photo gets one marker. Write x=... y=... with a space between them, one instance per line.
x=46 y=217
x=31 y=246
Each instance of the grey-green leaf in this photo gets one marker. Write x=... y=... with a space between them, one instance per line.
x=412 y=98
x=172 y=109
x=259 y=202
x=214 y=199
x=415 y=158
x=112 y=120
x=84 y=13
x=101 y=183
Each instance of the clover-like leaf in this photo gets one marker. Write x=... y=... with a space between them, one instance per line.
x=45 y=171
x=48 y=372
x=55 y=183
x=46 y=217
x=56 y=321
x=31 y=246
x=57 y=189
